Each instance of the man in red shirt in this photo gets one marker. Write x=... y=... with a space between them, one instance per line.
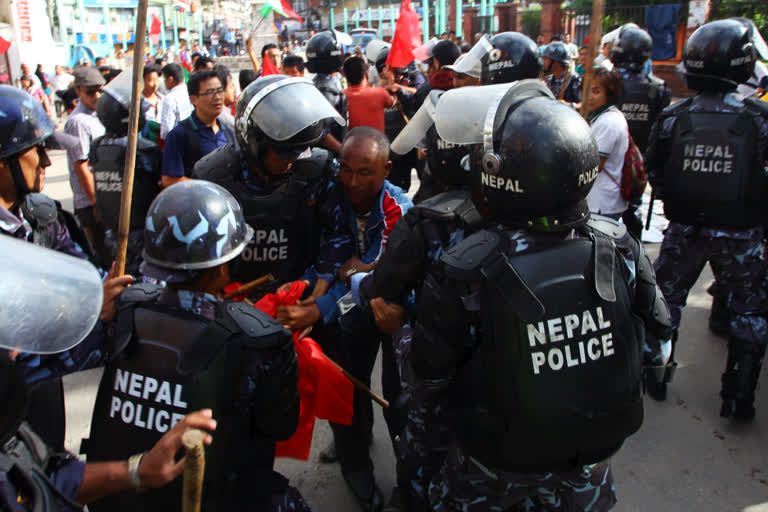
x=366 y=104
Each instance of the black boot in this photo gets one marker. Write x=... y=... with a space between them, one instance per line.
x=739 y=382
x=719 y=317
x=655 y=387
x=363 y=485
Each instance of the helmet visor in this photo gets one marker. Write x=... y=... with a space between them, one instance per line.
x=417 y=127
x=285 y=108
x=52 y=300
x=461 y=113
x=474 y=58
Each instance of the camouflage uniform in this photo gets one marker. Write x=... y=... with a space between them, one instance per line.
x=414 y=246
x=572 y=92
x=464 y=483
x=734 y=254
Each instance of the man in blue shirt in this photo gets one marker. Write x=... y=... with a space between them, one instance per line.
x=200 y=133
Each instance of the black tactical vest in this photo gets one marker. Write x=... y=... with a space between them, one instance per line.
x=24 y=460
x=286 y=234
x=640 y=105
x=167 y=363
x=555 y=379
x=445 y=159
x=330 y=87
x=107 y=161
x=713 y=176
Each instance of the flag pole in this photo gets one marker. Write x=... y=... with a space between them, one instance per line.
x=133 y=138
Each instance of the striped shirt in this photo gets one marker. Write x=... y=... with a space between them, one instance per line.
x=175 y=107
x=84 y=124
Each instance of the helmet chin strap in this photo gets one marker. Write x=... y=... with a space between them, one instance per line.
x=18 y=179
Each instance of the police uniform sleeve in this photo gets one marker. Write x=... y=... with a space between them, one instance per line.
x=337 y=244
x=272 y=380
x=444 y=333
x=402 y=264
x=652 y=308
x=659 y=146
x=86 y=355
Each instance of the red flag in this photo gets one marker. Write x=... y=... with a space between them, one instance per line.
x=267 y=68
x=407 y=37
x=289 y=11
x=324 y=391
x=154 y=30
x=4 y=45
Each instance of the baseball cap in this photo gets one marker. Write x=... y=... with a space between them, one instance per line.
x=445 y=51
x=475 y=72
x=88 y=77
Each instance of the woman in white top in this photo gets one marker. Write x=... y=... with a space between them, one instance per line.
x=612 y=135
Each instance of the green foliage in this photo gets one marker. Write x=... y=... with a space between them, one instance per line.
x=531 y=21
x=757 y=11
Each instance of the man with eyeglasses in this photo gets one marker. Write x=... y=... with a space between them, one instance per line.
x=84 y=124
x=198 y=134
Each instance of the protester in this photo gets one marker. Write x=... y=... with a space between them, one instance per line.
x=227 y=116
x=612 y=136
x=175 y=105
x=151 y=76
x=198 y=134
x=28 y=85
x=293 y=65
x=84 y=124
x=366 y=104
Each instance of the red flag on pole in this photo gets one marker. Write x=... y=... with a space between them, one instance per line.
x=154 y=30
x=407 y=37
x=4 y=45
x=267 y=68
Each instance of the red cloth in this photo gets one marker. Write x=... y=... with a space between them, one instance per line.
x=267 y=68
x=154 y=30
x=442 y=80
x=366 y=105
x=407 y=37
x=4 y=45
x=324 y=391
x=289 y=11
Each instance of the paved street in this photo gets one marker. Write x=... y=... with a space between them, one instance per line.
x=684 y=458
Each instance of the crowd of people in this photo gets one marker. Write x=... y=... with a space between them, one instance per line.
x=303 y=176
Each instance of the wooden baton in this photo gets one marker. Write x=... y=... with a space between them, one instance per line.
x=249 y=287
x=194 y=470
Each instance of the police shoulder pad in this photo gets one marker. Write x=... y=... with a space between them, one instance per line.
x=312 y=166
x=608 y=227
x=443 y=206
x=141 y=292
x=220 y=165
x=40 y=209
x=464 y=260
x=259 y=327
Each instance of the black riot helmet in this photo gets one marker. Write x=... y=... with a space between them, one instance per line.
x=324 y=53
x=114 y=105
x=514 y=57
x=114 y=115
x=540 y=164
x=719 y=55
x=632 y=49
x=556 y=51
x=192 y=226
x=539 y=158
x=284 y=113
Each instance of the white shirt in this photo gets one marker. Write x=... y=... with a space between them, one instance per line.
x=175 y=107
x=62 y=82
x=612 y=136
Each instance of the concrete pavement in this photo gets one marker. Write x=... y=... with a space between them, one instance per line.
x=684 y=458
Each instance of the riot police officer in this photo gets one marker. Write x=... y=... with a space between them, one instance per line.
x=643 y=97
x=325 y=57
x=705 y=160
x=564 y=83
x=179 y=348
x=37 y=476
x=27 y=214
x=107 y=161
x=277 y=120
x=495 y=333
x=448 y=165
